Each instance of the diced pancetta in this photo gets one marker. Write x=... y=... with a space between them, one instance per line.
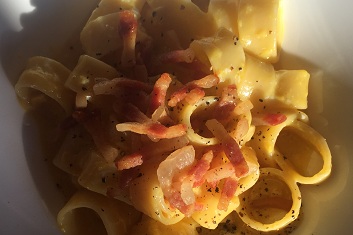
x=178 y=56
x=216 y=174
x=229 y=146
x=227 y=103
x=198 y=171
x=157 y=97
x=268 y=119
x=153 y=130
x=192 y=90
x=129 y=161
x=206 y=82
x=112 y=87
x=194 y=95
x=128 y=31
x=229 y=188
x=150 y=150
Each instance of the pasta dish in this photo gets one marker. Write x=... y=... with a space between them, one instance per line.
x=175 y=120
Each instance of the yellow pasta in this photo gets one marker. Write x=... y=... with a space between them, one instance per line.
x=71 y=155
x=310 y=166
x=176 y=121
x=147 y=196
x=259 y=27
x=265 y=136
x=292 y=88
x=272 y=203
x=48 y=77
x=82 y=77
x=111 y=6
x=102 y=210
x=148 y=226
x=225 y=56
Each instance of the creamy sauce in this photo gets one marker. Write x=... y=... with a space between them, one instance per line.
x=88 y=222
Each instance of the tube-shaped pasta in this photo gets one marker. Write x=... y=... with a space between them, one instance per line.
x=272 y=203
x=185 y=118
x=318 y=169
x=205 y=107
x=264 y=139
x=117 y=217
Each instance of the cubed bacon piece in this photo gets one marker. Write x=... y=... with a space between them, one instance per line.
x=198 y=171
x=129 y=161
x=141 y=124
x=229 y=188
x=235 y=156
x=187 y=210
x=164 y=146
x=111 y=87
x=192 y=91
x=128 y=31
x=216 y=174
x=194 y=95
x=229 y=146
x=205 y=82
x=153 y=130
x=227 y=103
x=178 y=96
x=268 y=119
x=176 y=201
x=178 y=56
x=159 y=131
x=127 y=24
x=159 y=92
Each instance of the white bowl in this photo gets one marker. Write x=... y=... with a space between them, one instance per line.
x=318 y=37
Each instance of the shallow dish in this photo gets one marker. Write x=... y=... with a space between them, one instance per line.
x=317 y=38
